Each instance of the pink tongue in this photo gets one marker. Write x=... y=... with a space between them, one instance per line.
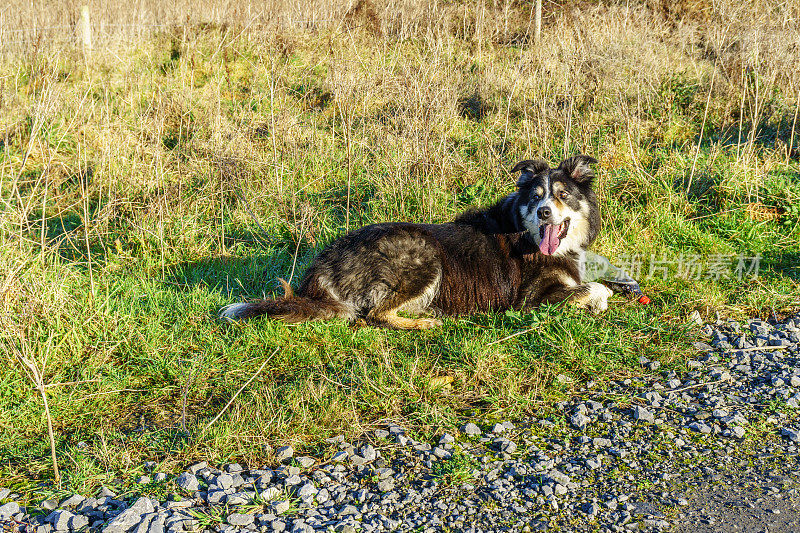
x=550 y=240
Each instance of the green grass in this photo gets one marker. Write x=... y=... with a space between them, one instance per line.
x=128 y=227
x=455 y=471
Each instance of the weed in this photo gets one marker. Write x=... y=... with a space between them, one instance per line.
x=457 y=470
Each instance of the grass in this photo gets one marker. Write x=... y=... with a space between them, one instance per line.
x=455 y=471
x=148 y=185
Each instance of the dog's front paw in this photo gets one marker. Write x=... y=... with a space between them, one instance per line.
x=596 y=299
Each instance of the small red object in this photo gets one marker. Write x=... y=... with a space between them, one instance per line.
x=644 y=300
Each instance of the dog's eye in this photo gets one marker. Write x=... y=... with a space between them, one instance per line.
x=563 y=195
x=536 y=197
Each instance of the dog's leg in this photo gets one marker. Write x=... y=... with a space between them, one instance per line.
x=385 y=314
x=592 y=296
x=413 y=298
x=392 y=319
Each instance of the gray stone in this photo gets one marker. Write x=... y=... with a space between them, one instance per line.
x=300 y=526
x=281 y=506
x=338 y=457
x=73 y=501
x=88 y=505
x=791 y=433
x=284 y=453
x=590 y=508
x=361 y=495
x=383 y=473
x=270 y=493
x=505 y=445
x=323 y=496
x=386 y=485
x=291 y=481
x=262 y=478
x=216 y=497
x=368 y=453
x=579 y=421
x=593 y=463
x=105 y=492
x=241 y=519
x=49 y=505
x=78 y=522
x=700 y=427
x=642 y=415
x=471 y=429
x=357 y=460
x=157 y=525
x=195 y=468
x=238 y=498
x=305 y=461
x=144 y=523
x=130 y=516
x=306 y=491
x=187 y=482
x=497 y=429
x=653 y=398
x=224 y=481
x=348 y=510
x=58 y=519
x=719 y=374
x=441 y=453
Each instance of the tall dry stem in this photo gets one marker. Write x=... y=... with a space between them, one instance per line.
x=35 y=372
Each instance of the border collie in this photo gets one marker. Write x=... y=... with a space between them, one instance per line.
x=525 y=250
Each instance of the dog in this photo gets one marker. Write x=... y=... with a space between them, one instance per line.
x=525 y=250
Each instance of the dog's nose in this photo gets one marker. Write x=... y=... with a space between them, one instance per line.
x=544 y=213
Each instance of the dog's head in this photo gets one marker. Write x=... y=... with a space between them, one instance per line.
x=557 y=206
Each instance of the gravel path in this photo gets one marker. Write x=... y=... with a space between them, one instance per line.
x=713 y=449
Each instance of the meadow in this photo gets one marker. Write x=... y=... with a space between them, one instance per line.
x=197 y=152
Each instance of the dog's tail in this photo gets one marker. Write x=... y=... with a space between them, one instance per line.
x=290 y=308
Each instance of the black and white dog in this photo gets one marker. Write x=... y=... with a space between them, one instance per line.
x=525 y=250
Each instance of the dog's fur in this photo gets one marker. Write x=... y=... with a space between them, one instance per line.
x=525 y=250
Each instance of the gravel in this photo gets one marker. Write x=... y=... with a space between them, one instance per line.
x=713 y=448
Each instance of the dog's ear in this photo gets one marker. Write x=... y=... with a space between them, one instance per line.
x=529 y=168
x=577 y=168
